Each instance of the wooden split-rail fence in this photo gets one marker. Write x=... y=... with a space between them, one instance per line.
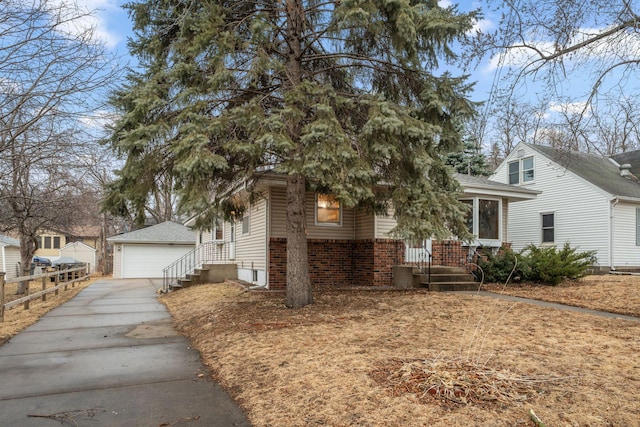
x=61 y=279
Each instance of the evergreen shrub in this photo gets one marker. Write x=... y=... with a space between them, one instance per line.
x=547 y=265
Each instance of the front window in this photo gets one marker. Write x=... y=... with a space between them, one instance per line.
x=483 y=218
x=47 y=242
x=548 y=228
x=488 y=219
x=328 y=210
x=469 y=215
x=56 y=242
x=514 y=172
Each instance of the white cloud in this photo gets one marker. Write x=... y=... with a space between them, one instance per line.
x=95 y=14
x=568 y=108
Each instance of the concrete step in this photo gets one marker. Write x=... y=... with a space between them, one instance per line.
x=450 y=277
x=453 y=286
x=444 y=269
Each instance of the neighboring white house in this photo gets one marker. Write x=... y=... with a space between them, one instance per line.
x=144 y=253
x=590 y=201
x=348 y=246
x=9 y=256
x=81 y=252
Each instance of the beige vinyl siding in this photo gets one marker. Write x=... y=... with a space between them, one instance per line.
x=251 y=247
x=581 y=210
x=384 y=225
x=365 y=225
x=10 y=262
x=345 y=231
x=626 y=253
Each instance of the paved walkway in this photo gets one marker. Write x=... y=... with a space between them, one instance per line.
x=109 y=357
x=553 y=305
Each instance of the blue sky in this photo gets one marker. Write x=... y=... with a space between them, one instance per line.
x=113 y=26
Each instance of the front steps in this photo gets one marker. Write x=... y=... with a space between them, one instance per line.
x=442 y=278
x=208 y=273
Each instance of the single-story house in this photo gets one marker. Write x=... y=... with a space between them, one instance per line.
x=590 y=201
x=144 y=253
x=348 y=246
x=81 y=252
x=9 y=256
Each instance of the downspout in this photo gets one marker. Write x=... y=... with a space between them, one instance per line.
x=612 y=204
x=4 y=260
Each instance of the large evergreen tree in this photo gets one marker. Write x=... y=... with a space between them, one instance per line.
x=339 y=95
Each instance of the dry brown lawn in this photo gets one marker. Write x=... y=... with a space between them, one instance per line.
x=16 y=318
x=413 y=358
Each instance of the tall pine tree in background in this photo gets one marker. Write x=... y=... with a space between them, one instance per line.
x=339 y=95
x=469 y=161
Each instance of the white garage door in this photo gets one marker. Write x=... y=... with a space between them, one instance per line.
x=147 y=261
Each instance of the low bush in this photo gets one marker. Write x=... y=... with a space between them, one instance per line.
x=498 y=268
x=551 y=266
x=548 y=265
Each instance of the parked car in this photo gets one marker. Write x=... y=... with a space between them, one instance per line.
x=65 y=263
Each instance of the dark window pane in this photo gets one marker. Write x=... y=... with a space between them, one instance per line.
x=514 y=172
x=547 y=236
x=488 y=219
x=56 y=242
x=469 y=215
x=47 y=242
x=547 y=220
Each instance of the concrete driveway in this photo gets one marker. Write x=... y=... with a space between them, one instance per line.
x=109 y=357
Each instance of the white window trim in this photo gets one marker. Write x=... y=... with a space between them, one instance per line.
x=521 y=170
x=326 y=224
x=555 y=227
x=476 y=224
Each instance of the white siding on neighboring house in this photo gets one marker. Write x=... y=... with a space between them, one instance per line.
x=117 y=261
x=81 y=252
x=9 y=261
x=625 y=248
x=581 y=210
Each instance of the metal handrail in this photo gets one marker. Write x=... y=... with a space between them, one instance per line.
x=425 y=258
x=206 y=253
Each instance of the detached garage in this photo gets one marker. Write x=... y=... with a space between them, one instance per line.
x=144 y=253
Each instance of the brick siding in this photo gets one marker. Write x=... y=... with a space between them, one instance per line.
x=340 y=262
x=449 y=253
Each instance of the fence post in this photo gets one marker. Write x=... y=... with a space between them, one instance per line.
x=57 y=281
x=26 y=294
x=88 y=271
x=44 y=287
x=66 y=280
x=2 y=273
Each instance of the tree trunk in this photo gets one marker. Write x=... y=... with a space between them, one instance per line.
x=27 y=248
x=299 y=291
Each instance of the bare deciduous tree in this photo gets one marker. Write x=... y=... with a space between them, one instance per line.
x=53 y=74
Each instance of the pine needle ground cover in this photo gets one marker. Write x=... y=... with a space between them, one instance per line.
x=374 y=358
